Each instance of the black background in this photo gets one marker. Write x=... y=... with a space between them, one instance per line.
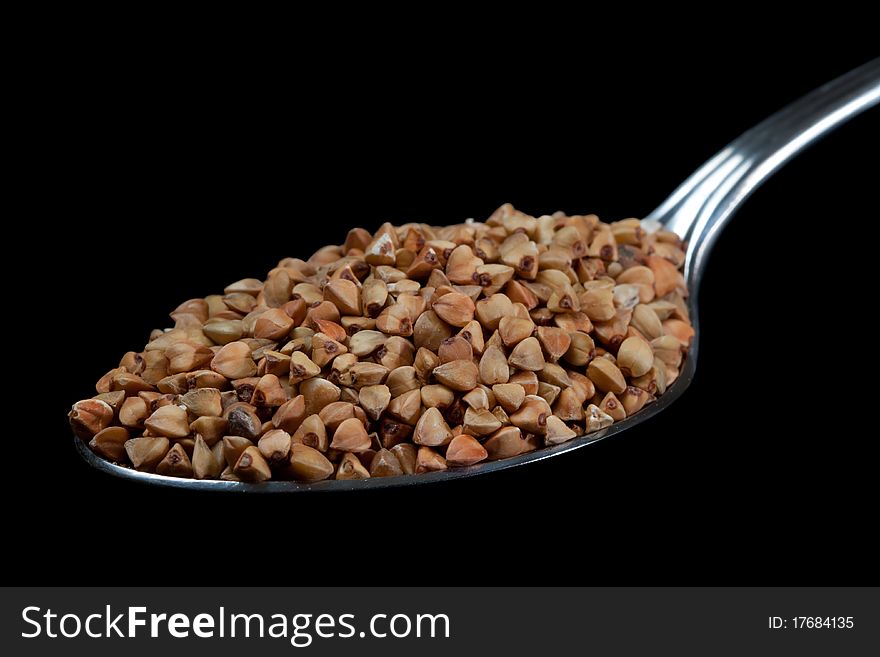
x=170 y=182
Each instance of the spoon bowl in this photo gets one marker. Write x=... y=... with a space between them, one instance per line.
x=696 y=211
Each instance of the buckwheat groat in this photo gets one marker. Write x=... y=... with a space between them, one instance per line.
x=409 y=350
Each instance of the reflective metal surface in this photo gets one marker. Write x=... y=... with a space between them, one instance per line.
x=697 y=211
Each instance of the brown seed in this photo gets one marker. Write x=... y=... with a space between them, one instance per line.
x=155 y=366
x=176 y=463
x=206 y=379
x=464 y=450
x=350 y=467
x=493 y=366
x=401 y=380
x=251 y=466
x=597 y=303
x=461 y=265
x=274 y=445
x=646 y=322
x=364 y=343
x=425 y=362
x=364 y=374
x=113 y=399
x=430 y=331
x=667 y=278
x=324 y=349
x=211 y=429
x=375 y=399
x=480 y=422
x=250 y=286
x=385 y=464
x=90 y=416
x=629 y=295
x=130 y=383
x=290 y=414
x=396 y=352
x=323 y=310
x=527 y=355
x=406 y=456
x=335 y=413
x=332 y=330
x=374 y=295
x=131 y=362
x=110 y=443
x=582 y=386
x=581 y=349
x=490 y=311
x=422 y=265
x=437 y=396
x=169 y=421
x=528 y=380
x=557 y=431
x=570 y=322
x=239 y=302
x=407 y=407
x=654 y=381
x=234 y=361
x=662 y=308
x=296 y=309
x=427 y=460
x=232 y=447
x=318 y=393
x=203 y=401
x=432 y=430
x=312 y=433
x=509 y=395
x=274 y=362
x=635 y=357
x=548 y=392
x=597 y=419
x=519 y=293
x=185 y=357
x=454 y=308
x=105 y=383
x=680 y=330
x=612 y=406
x=504 y=443
x=205 y=464
x=454 y=348
x=564 y=300
x=532 y=415
x=569 y=406
x=393 y=433
x=478 y=399
x=276 y=291
x=493 y=277
x=473 y=333
x=395 y=320
x=554 y=341
x=302 y=367
x=175 y=384
x=523 y=258
x=514 y=330
x=345 y=295
x=606 y=375
x=667 y=348
x=145 y=453
x=242 y=420
x=274 y=324
x=381 y=250
x=351 y=436
x=459 y=375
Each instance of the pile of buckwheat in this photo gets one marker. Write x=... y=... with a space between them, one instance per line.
x=414 y=349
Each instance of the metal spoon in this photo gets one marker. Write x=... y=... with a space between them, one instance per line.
x=697 y=211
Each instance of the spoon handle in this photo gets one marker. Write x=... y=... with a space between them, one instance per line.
x=703 y=203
